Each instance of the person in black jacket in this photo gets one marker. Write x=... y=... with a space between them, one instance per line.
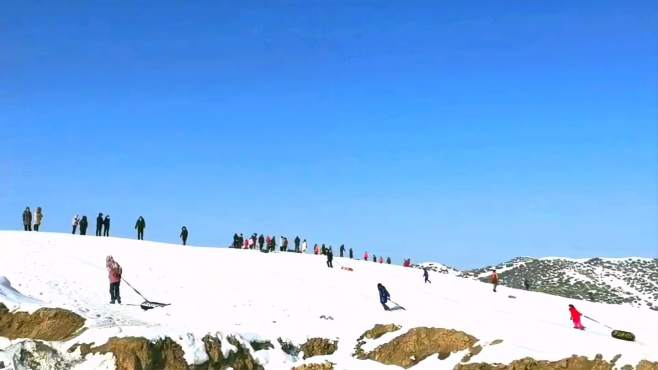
x=351 y=253
x=384 y=296
x=388 y=260
x=426 y=275
x=330 y=258
x=261 y=241
x=183 y=235
x=297 y=241
x=27 y=219
x=342 y=249
x=140 y=225
x=83 y=225
x=99 y=225
x=106 y=226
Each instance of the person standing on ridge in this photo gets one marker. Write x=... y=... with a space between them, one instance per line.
x=27 y=219
x=74 y=223
x=106 y=225
x=342 y=250
x=261 y=242
x=330 y=258
x=140 y=225
x=384 y=296
x=365 y=256
x=374 y=258
x=426 y=275
x=388 y=260
x=304 y=246
x=494 y=279
x=575 y=317
x=351 y=253
x=38 y=216
x=381 y=259
x=99 y=225
x=183 y=235
x=83 y=225
x=114 y=272
x=297 y=241
x=316 y=249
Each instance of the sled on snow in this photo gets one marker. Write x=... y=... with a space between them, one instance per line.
x=148 y=305
x=623 y=335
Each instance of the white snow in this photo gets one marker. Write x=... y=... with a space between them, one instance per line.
x=254 y=295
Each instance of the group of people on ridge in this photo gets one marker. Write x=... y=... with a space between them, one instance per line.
x=27 y=219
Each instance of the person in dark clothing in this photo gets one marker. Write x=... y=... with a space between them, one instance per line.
x=106 y=225
x=384 y=296
x=324 y=250
x=183 y=235
x=284 y=244
x=374 y=258
x=140 y=225
x=330 y=258
x=388 y=260
x=235 y=240
x=426 y=275
x=526 y=284
x=27 y=219
x=75 y=223
x=261 y=241
x=297 y=241
x=83 y=225
x=351 y=253
x=99 y=225
x=342 y=250
x=38 y=217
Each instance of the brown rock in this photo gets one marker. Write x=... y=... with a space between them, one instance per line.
x=497 y=341
x=571 y=363
x=137 y=353
x=378 y=330
x=647 y=365
x=323 y=366
x=50 y=324
x=319 y=347
x=417 y=344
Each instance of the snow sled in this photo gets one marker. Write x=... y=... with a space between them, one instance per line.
x=623 y=335
x=147 y=305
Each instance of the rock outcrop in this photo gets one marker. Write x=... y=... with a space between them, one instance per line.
x=571 y=363
x=322 y=366
x=419 y=343
x=49 y=324
x=319 y=347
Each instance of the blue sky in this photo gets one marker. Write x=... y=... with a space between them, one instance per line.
x=466 y=133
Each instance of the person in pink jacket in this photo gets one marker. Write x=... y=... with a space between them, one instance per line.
x=365 y=256
x=114 y=272
x=575 y=317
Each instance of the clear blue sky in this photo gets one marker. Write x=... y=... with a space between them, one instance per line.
x=461 y=132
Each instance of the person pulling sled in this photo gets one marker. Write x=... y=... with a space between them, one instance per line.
x=384 y=296
x=114 y=272
x=575 y=317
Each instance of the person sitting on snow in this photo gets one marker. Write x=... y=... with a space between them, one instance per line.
x=114 y=271
x=575 y=317
x=384 y=296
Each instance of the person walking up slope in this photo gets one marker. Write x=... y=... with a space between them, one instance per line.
x=140 y=225
x=575 y=317
x=114 y=272
x=384 y=296
x=27 y=219
x=38 y=216
x=426 y=275
x=494 y=279
x=183 y=235
x=106 y=225
x=74 y=224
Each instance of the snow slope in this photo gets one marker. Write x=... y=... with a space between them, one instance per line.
x=267 y=296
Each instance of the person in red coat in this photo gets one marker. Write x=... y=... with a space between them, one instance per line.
x=365 y=256
x=575 y=317
x=494 y=279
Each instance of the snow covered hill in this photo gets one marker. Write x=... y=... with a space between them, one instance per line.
x=632 y=281
x=283 y=311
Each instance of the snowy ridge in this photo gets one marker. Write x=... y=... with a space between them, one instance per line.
x=254 y=295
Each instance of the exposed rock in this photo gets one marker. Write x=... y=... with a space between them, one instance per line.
x=647 y=365
x=259 y=345
x=240 y=359
x=571 y=363
x=289 y=348
x=417 y=344
x=472 y=352
x=497 y=341
x=319 y=347
x=50 y=324
x=138 y=353
x=615 y=359
x=324 y=366
x=376 y=332
x=35 y=355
